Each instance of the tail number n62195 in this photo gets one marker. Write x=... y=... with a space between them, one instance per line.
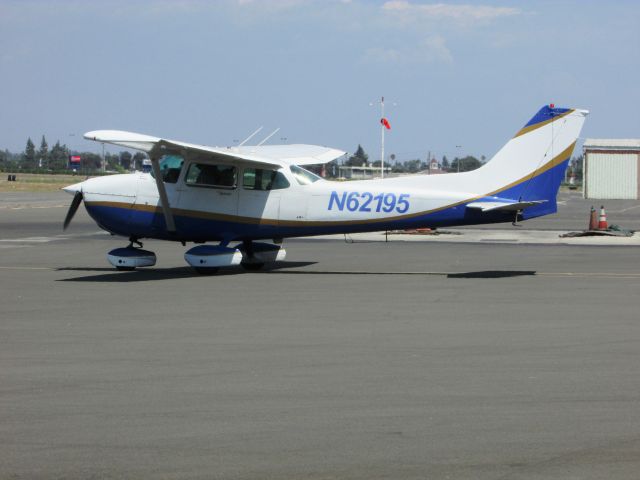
x=368 y=202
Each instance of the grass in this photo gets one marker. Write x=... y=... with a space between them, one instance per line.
x=37 y=182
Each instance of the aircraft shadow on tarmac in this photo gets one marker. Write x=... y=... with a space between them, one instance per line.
x=493 y=274
x=151 y=274
x=282 y=268
x=479 y=274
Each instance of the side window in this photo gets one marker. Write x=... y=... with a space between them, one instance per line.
x=170 y=167
x=261 y=179
x=208 y=175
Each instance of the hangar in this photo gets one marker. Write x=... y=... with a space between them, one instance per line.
x=611 y=168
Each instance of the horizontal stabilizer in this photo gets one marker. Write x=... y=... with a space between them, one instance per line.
x=505 y=206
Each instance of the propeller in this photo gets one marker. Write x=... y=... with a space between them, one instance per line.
x=73 y=208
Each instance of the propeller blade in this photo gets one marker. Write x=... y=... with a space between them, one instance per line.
x=73 y=208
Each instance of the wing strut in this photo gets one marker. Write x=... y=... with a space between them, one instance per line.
x=164 y=200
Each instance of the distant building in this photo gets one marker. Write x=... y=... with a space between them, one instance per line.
x=611 y=168
x=361 y=173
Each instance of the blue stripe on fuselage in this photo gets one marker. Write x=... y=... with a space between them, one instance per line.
x=141 y=224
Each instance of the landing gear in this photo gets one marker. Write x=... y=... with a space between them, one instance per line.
x=250 y=261
x=207 y=259
x=253 y=267
x=252 y=256
x=256 y=254
x=131 y=257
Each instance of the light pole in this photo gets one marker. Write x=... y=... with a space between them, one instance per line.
x=459 y=147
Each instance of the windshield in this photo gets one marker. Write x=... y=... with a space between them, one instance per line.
x=304 y=177
x=170 y=166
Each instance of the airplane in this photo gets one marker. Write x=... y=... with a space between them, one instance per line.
x=247 y=199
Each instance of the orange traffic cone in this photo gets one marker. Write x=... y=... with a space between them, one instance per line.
x=593 y=220
x=602 y=223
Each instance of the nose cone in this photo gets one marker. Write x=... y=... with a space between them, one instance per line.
x=73 y=189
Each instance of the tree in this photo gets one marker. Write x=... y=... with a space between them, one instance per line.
x=91 y=161
x=466 y=164
x=359 y=158
x=125 y=160
x=29 y=156
x=575 y=168
x=412 y=166
x=43 y=153
x=445 y=163
x=112 y=160
x=58 y=156
x=138 y=157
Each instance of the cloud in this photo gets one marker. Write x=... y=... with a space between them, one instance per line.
x=432 y=49
x=272 y=4
x=408 y=11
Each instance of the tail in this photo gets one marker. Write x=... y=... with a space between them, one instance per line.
x=531 y=166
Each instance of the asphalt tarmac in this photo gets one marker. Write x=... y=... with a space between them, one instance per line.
x=357 y=360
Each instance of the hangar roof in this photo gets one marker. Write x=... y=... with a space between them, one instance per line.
x=612 y=143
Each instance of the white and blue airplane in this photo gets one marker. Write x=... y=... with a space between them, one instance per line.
x=248 y=199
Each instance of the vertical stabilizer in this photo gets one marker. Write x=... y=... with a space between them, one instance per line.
x=533 y=162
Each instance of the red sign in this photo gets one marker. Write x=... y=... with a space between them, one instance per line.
x=75 y=159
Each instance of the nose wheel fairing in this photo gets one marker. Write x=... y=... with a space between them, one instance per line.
x=130 y=258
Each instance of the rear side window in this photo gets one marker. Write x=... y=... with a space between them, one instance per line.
x=208 y=175
x=261 y=179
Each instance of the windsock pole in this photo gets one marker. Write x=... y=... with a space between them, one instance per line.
x=382 y=139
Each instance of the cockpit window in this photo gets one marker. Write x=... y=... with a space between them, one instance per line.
x=170 y=166
x=261 y=179
x=303 y=177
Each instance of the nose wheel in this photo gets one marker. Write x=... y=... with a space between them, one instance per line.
x=131 y=257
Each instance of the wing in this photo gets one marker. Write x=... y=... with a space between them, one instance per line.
x=295 y=154
x=270 y=156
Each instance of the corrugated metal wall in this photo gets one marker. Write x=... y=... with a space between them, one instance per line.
x=612 y=175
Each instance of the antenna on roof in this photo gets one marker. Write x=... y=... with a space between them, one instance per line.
x=269 y=136
x=250 y=137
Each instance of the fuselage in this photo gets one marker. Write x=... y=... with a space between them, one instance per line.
x=129 y=205
x=202 y=194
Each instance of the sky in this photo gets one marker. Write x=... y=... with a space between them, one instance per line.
x=459 y=78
